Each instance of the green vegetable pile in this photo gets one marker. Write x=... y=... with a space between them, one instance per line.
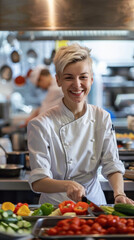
x=13 y=224
x=44 y=210
x=120 y=209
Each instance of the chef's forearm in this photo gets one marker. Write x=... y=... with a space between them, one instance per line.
x=117 y=183
x=48 y=185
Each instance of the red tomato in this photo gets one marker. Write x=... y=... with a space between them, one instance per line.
x=62 y=223
x=130 y=222
x=102 y=221
x=121 y=227
x=94 y=232
x=78 y=232
x=62 y=232
x=52 y=231
x=70 y=232
x=111 y=230
x=82 y=221
x=66 y=227
x=75 y=220
x=74 y=227
x=96 y=226
x=123 y=220
x=103 y=231
x=111 y=221
x=90 y=222
x=130 y=230
x=85 y=229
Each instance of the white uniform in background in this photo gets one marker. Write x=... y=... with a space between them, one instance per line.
x=53 y=97
x=73 y=150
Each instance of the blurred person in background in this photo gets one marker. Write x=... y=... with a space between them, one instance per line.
x=43 y=79
x=130 y=122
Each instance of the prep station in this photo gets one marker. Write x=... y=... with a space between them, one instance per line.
x=17 y=189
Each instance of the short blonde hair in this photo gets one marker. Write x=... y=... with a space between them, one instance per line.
x=71 y=54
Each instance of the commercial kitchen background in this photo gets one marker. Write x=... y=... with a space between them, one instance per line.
x=113 y=65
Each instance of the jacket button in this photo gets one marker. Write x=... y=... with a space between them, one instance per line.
x=92 y=140
x=70 y=161
x=93 y=120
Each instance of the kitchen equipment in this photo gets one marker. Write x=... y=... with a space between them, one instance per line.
x=20 y=80
x=7 y=145
x=94 y=210
x=43 y=224
x=5 y=109
x=10 y=170
x=31 y=55
x=15 y=157
x=17 y=135
x=6 y=72
x=15 y=56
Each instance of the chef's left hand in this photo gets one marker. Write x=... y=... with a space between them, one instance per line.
x=124 y=199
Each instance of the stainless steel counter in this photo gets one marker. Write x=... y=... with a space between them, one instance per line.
x=21 y=183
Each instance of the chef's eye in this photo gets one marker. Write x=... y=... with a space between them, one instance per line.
x=68 y=78
x=84 y=77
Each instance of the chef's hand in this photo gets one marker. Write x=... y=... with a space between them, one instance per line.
x=123 y=199
x=75 y=191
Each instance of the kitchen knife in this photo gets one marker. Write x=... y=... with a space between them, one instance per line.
x=93 y=208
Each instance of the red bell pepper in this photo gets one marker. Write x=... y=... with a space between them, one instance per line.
x=18 y=206
x=94 y=207
x=81 y=208
x=66 y=206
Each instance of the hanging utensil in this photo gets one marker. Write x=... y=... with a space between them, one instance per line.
x=31 y=55
x=15 y=56
x=6 y=72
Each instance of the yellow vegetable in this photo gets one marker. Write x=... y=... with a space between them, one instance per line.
x=23 y=211
x=71 y=214
x=56 y=212
x=8 y=206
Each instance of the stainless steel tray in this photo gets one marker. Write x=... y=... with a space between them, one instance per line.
x=7 y=236
x=43 y=224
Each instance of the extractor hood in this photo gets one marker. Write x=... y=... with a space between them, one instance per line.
x=57 y=15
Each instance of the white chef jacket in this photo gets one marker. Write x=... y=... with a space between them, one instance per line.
x=61 y=147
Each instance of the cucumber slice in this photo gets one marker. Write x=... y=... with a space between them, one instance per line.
x=19 y=218
x=27 y=224
x=9 y=212
x=20 y=224
x=2 y=229
x=14 y=226
x=5 y=214
x=10 y=230
x=4 y=224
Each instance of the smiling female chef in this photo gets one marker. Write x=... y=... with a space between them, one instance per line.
x=69 y=142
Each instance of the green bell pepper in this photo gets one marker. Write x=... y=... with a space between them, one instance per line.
x=37 y=212
x=47 y=208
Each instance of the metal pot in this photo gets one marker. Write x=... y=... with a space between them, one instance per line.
x=15 y=157
x=18 y=137
x=10 y=170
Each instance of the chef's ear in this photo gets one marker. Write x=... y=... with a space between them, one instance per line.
x=92 y=80
x=58 y=80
